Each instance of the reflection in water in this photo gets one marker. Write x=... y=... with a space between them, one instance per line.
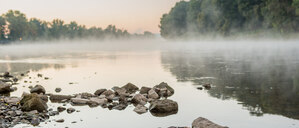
x=24 y=67
x=262 y=84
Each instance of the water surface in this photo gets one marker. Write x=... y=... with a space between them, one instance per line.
x=254 y=83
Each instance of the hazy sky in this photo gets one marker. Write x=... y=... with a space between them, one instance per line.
x=133 y=15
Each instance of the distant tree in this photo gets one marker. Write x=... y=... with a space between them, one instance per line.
x=2 y=28
x=37 y=29
x=57 y=29
x=17 y=24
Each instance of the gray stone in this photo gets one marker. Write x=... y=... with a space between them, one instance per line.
x=205 y=123
x=140 y=109
x=99 y=92
x=38 y=89
x=130 y=88
x=144 y=90
x=33 y=102
x=152 y=94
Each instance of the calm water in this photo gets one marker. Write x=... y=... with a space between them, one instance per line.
x=255 y=83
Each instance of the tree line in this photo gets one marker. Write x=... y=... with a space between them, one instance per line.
x=14 y=25
x=230 y=17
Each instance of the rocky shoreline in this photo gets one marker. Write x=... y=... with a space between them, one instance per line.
x=31 y=108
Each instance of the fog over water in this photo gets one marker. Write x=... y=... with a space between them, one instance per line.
x=255 y=83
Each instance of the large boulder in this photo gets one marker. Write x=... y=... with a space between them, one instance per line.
x=164 y=90
x=4 y=87
x=163 y=107
x=38 y=89
x=33 y=102
x=130 y=88
x=205 y=123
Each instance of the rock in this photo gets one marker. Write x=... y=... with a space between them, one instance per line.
x=6 y=74
x=57 y=89
x=43 y=97
x=207 y=86
x=199 y=88
x=35 y=121
x=53 y=113
x=12 y=100
x=121 y=92
x=163 y=107
x=61 y=109
x=140 y=109
x=4 y=88
x=85 y=95
x=120 y=107
x=139 y=99
x=164 y=90
x=144 y=90
x=12 y=89
x=130 y=88
x=33 y=102
x=60 y=98
x=38 y=89
x=107 y=93
x=70 y=110
x=99 y=92
x=98 y=101
x=79 y=101
x=152 y=94
x=205 y=123
x=60 y=120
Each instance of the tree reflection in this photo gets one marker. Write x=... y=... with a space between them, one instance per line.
x=261 y=84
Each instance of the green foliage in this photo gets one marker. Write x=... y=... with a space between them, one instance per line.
x=2 y=27
x=230 y=17
x=15 y=26
x=174 y=24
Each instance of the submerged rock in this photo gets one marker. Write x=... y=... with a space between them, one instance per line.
x=33 y=102
x=130 y=88
x=163 y=107
x=205 y=123
x=38 y=89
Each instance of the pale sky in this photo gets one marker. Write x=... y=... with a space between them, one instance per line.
x=133 y=15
